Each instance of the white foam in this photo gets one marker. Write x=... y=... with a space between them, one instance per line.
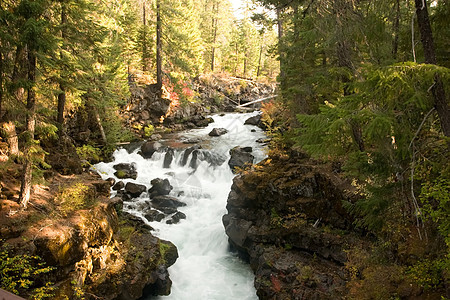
x=205 y=268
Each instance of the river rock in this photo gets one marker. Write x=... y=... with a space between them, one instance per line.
x=118 y=186
x=154 y=215
x=214 y=159
x=168 y=158
x=240 y=157
x=166 y=201
x=191 y=141
x=218 y=132
x=160 y=187
x=150 y=147
x=176 y=218
x=188 y=152
x=134 y=189
x=111 y=181
x=125 y=170
x=203 y=122
x=255 y=121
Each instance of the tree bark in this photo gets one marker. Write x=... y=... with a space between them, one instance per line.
x=158 y=47
x=144 y=40
x=280 y=44
x=1 y=86
x=99 y=124
x=214 y=24
x=438 y=91
x=9 y=126
x=62 y=93
x=11 y=137
x=258 y=71
x=25 y=188
x=396 y=27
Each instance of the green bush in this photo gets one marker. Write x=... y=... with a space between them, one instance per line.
x=19 y=275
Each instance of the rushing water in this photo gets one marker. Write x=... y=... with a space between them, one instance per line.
x=205 y=268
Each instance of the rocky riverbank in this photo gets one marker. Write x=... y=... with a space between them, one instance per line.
x=93 y=249
x=286 y=217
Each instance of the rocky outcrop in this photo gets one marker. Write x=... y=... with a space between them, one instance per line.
x=97 y=252
x=240 y=158
x=286 y=217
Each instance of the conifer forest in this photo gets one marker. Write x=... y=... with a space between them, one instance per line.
x=321 y=128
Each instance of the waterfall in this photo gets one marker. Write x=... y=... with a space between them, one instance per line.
x=202 y=180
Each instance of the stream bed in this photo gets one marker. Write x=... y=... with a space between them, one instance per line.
x=205 y=269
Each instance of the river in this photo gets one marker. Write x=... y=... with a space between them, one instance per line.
x=205 y=269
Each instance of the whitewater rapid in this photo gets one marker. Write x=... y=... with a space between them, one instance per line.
x=205 y=269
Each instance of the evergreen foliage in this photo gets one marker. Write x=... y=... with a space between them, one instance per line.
x=359 y=93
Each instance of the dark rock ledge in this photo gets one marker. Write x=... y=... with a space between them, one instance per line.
x=286 y=218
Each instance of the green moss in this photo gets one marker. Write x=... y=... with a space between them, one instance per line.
x=121 y=174
x=74 y=197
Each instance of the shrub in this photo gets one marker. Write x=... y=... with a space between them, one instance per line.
x=19 y=275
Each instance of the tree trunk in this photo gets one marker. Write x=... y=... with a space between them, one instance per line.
x=144 y=40
x=25 y=188
x=158 y=47
x=258 y=71
x=11 y=137
x=214 y=24
x=280 y=44
x=237 y=60
x=99 y=124
x=438 y=91
x=344 y=55
x=10 y=126
x=1 y=86
x=245 y=66
x=396 y=27
x=62 y=93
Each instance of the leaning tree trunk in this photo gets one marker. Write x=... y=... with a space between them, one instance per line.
x=426 y=37
x=25 y=188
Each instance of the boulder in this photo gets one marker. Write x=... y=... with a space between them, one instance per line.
x=240 y=157
x=188 y=152
x=218 y=132
x=154 y=215
x=168 y=158
x=118 y=186
x=166 y=202
x=176 y=218
x=125 y=170
x=160 y=187
x=134 y=189
x=150 y=147
x=203 y=122
x=111 y=181
x=256 y=121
